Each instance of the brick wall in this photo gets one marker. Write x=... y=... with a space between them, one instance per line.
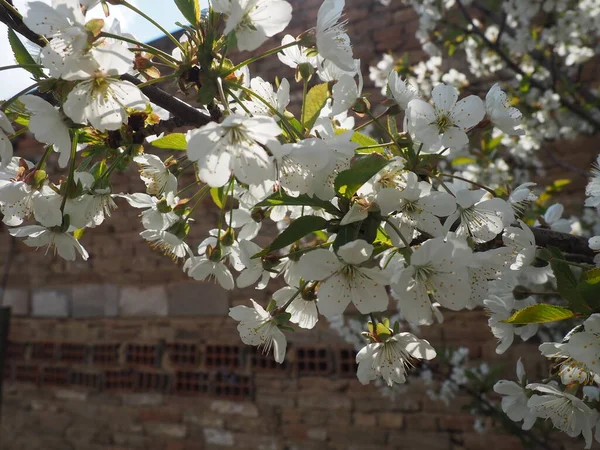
x=125 y=352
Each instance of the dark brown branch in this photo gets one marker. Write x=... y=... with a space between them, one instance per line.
x=186 y=114
x=16 y=24
x=567 y=243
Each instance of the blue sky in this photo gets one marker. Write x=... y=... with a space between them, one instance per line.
x=163 y=11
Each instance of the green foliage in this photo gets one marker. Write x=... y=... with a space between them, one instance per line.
x=190 y=9
x=173 y=141
x=22 y=56
x=281 y=198
x=349 y=181
x=567 y=284
x=540 y=313
x=217 y=196
x=299 y=228
x=313 y=104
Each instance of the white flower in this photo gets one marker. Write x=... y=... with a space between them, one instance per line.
x=345 y=280
x=480 y=216
x=502 y=115
x=254 y=270
x=332 y=41
x=447 y=119
x=298 y=162
x=233 y=146
x=522 y=195
x=522 y=241
x=345 y=92
x=295 y=55
x=257 y=327
x=155 y=175
x=242 y=218
x=553 y=217
x=6 y=148
x=514 y=400
x=568 y=413
x=278 y=100
x=253 y=21
x=159 y=213
x=580 y=355
x=201 y=268
x=592 y=190
x=64 y=24
x=48 y=127
x=439 y=269
x=501 y=308
x=416 y=206
x=400 y=90
x=304 y=312
x=91 y=207
x=102 y=98
x=19 y=201
x=64 y=244
x=379 y=74
x=390 y=359
x=167 y=242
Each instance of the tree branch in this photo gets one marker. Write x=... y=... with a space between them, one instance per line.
x=568 y=243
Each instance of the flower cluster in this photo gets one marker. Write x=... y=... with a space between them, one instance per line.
x=365 y=216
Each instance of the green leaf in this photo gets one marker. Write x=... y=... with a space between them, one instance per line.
x=313 y=104
x=173 y=141
x=592 y=276
x=462 y=160
x=362 y=139
x=349 y=181
x=566 y=282
x=190 y=9
x=281 y=198
x=345 y=234
x=22 y=56
x=589 y=288
x=217 y=196
x=540 y=313
x=299 y=228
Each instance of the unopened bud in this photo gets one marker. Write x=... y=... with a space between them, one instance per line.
x=163 y=207
x=228 y=238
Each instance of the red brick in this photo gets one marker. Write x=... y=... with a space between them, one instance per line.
x=164 y=415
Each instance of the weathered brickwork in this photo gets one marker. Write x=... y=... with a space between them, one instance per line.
x=125 y=352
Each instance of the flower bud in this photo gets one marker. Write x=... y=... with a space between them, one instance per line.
x=228 y=238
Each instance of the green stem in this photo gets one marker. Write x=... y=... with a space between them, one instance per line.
x=375 y=120
x=291 y=130
x=19 y=66
x=153 y=22
x=18 y=133
x=491 y=191
x=71 y=177
x=366 y=147
x=284 y=307
x=262 y=55
x=571 y=263
x=369 y=122
x=145 y=47
x=201 y=193
x=8 y=102
x=112 y=167
x=400 y=235
x=304 y=92
x=42 y=162
x=155 y=80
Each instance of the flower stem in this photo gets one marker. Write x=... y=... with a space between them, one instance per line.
x=71 y=177
x=11 y=100
x=400 y=235
x=292 y=298
x=156 y=80
x=153 y=22
x=375 y=120
x=262 y=55
x=19 y=66
x=145 y=47
x=490 y=190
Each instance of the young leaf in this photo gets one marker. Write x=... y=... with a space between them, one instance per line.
x=190 y=9
x=297 y=230
x=362 y=139
x=566 y=282
x=349 y=181
x=315 y=100
x=281 y=198
x=540 y=313
x=22 y=56
x=173 y=141
x=217 y=196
